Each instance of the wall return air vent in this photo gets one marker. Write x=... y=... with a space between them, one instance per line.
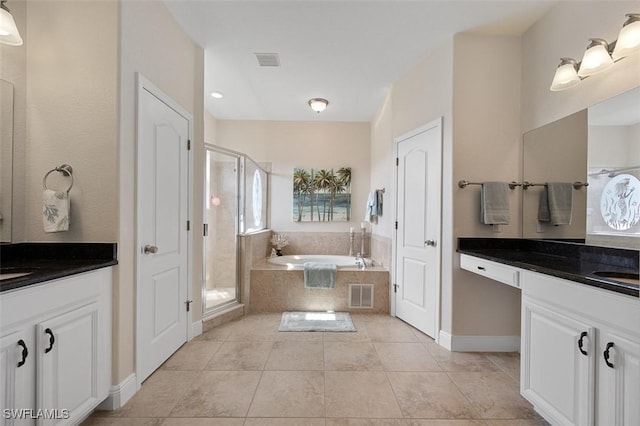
x=268 y=59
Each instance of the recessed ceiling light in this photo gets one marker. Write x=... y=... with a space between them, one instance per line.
x=217 y=95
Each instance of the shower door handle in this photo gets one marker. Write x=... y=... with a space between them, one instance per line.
x=148 y=249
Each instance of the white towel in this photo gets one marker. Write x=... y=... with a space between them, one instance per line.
x=55 y=210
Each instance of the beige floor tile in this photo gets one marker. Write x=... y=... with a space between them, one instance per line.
x=115 y=421
x=540 y=422
x=430 y=396
x=494 y=395
x=159 y=393
x=366 y=422
x=217 y=334
x=203 y=421
x=364 y=394
x=243 y=355
x=284 y=422
x=350 y=356
x=218 y=394
x=421 y=336
x=299 y=336
x=289 y=394
x=509 y=362
x=296 y=355
x=360 y=335
x=192 y=355
x=405 y=357
x=390 y=331
x=461 y=361
x=421 y=422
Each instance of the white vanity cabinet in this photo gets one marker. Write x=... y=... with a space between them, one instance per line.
x=65 y=326
x=580 y=354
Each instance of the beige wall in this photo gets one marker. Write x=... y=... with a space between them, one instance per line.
x=287 y=145
x=564 y=32
x=72 y=115
x=154 y=45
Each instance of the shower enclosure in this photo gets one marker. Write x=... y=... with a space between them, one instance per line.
x=236 y=203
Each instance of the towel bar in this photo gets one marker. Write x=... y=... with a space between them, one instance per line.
x=465 y=183
x=65 y=169
x=576 y=185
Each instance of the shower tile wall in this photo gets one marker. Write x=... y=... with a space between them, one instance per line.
x=381 y=250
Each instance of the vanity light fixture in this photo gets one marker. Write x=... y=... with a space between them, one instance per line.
x=217 y=95
x=599 y=55
x=9 y=33
x=318 y=104
x=596 y=58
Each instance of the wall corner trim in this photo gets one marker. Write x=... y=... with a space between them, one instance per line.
x=120 y=394
x=460 y=343
x=196 y=328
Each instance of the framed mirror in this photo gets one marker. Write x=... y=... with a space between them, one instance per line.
x=6 y=160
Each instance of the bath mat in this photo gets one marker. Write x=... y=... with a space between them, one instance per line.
x=316 y=321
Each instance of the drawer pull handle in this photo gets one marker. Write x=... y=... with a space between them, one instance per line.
x=481 y=268
x=25 y=352
x=581 y=343
x=52 y=340
x=607 y=354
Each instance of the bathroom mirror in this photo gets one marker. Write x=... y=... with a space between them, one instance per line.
x=600 y=146
x=6 y=159
x=556 y=152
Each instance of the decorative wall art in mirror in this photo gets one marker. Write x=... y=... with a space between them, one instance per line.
x=613 y=207
x=556 y=152
x=322 y=195
x=6 y=159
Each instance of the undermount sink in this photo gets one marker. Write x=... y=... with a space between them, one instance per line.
x=625 y=277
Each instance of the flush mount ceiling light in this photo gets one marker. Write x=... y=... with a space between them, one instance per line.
x=318 y=104
x=217 y=95
x=9 y=33
x=599 y=55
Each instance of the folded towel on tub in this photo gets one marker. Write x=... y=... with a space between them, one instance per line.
x=320 y=275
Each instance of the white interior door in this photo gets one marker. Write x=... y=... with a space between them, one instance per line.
x=417 y=260
x=163 y=255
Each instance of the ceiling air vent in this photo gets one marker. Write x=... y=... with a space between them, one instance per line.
x=268 y=59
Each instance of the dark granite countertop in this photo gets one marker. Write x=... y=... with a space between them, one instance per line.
x=49 y=261
x=568 y=260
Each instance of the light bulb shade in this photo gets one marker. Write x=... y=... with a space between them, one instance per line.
x=629 y=37
x=9 y=33
x=318 y=104
x=566 y=75
x=596 y=58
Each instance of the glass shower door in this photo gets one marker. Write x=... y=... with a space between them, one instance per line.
x=221 y=217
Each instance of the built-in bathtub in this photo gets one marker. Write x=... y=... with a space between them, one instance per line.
x=277 y=285
x=298 y=261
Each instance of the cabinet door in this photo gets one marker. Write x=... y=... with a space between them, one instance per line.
x=67 y=363
x=618 y=392
x=556 y=377
x=17 y=369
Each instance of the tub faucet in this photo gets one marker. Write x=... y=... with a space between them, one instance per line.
x=361 y=261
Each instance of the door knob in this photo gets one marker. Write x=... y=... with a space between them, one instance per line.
x=431 y=243
x=150 y=249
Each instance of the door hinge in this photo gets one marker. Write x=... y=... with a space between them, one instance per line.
x=396 y=224
x=188 y=225
x=188 y=144
x=205 y=231
x=395 y=288
x=188 y=303
x=397 y=161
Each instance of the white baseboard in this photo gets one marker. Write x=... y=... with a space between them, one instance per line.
x=479 y=343
x=196 y=328
x=120 y=394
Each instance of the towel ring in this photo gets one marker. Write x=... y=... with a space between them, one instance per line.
x=65 y=169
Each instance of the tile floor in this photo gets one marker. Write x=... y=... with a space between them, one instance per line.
x=387 y=373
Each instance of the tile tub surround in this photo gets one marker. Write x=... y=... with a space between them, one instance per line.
x=276 y=289
x=324 y=243
x=49 y=261
x=567 y=260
